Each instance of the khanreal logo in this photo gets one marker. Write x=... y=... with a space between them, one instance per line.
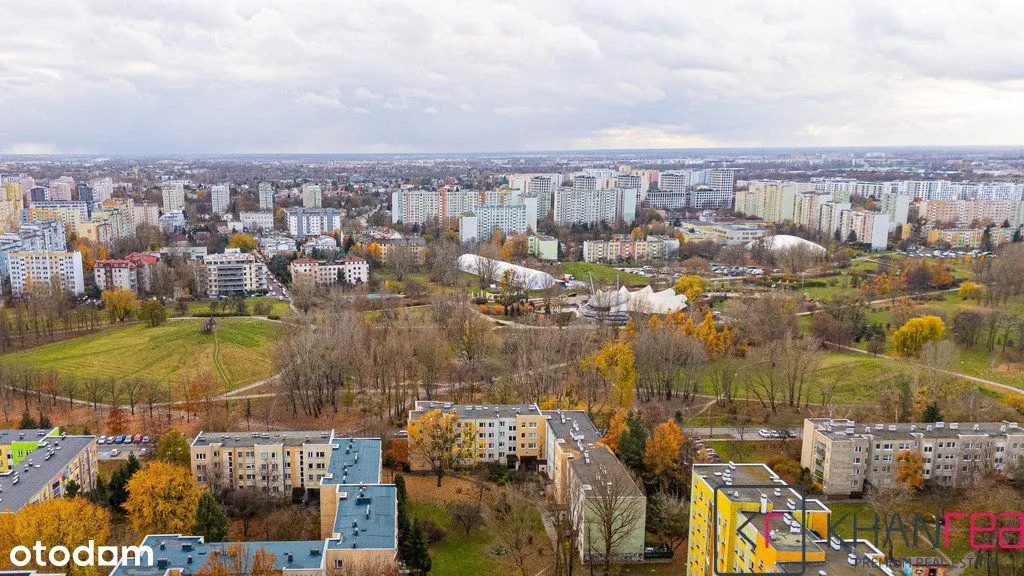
x=84 y=556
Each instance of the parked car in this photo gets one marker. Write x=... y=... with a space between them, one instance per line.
x=114 y=453
x=142 y=452
x=145 y=439
x=764 y=433
x=119 y=439
x=101 y=440
x=127 y=438
x=137 y=439
x=775 y=434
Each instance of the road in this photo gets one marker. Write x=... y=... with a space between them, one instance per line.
x=749 y=433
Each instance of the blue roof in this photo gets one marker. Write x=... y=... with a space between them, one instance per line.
x=176 y=550
x=353 y=461
x=366 y=518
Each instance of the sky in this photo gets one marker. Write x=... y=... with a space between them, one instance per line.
x=360 y=76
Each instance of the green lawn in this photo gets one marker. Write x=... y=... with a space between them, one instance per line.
x=602 y=274
x=168 y=353
x=277 y=307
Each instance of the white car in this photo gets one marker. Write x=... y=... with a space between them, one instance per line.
x=115 y=453
x=776 y=434
x=101 y=440
x=764 y=433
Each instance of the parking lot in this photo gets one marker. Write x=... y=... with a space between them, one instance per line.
x=114 y=451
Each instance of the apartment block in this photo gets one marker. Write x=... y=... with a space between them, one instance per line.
x=970 y=237
x=112 y=274
x=348 y=270
x=414 y=246
x=968 y=212
x=65 y=268
x=738 y=234
x=542 y=246
x=173 y=196
x=257 y=220
x=42 y=236
x=102 y=188
x=44 y=472
x=273 y=461
x=745 y=519
x=303 y=222
x=509 y=219
x=234 y=272
x=220 y=198
x=620 y=247
x=312 y=196
x=542 y=187
x=503 y=430
x=585 y=206
x=266 y=196
x=11 y=204
x=418 y=207
x=15 y=445
x=70 y=212
x=845 y=457
x=146 y=213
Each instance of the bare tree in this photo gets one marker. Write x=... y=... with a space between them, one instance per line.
x=512 y=524
x=615 y=510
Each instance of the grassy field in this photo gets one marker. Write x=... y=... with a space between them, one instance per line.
x=602 y=273
x=277 y=307
x=169 y=353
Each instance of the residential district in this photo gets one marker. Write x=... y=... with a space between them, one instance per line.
x=636 y=363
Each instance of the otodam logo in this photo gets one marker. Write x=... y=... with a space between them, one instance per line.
x=88 y=555
x=981 y=530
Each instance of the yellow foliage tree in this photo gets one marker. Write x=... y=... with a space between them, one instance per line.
x=637 y=233
x=69 y=522
x=374 y=253
x=120 y=303
x=443 y=442
x=162 y=499
x=972 y=291
x=515 y=248
x=616 y=426
x=692 y=286
x=909 y=338
x=614 y=361
x=910 y=469
x=242 y=241
x=661 y=455
x=941 y=276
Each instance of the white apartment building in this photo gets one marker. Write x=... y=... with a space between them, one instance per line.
x=102 y=188
x=65 y=268
x=111 y=274
x=173 y=196
x=846 y=457
x=266 y=196
x=42 y=236
x=620 y=247
x=543 y=188
x=897 y=206
x=234 y=272
x=966 y=212
x=510 y=219
x=578 y=206
x=717 y=192
x=869 y=227
x=146 y=213
x=312 y=196
x=257 y=220
x=220 y=198
x=60 y=189
x=303 y=222
x=831 y=217
x=348 y=270
x=418 y=207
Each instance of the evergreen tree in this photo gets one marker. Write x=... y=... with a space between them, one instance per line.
x=932 y=413
x=71 y=489
x=633 y=444
x=118 y=487
x=44 y=421
x=27 y=422
x=402 y=510
x=906 y=399
x=211 y=520
x=415 y=553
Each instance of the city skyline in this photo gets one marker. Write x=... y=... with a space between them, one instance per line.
x=236 y=78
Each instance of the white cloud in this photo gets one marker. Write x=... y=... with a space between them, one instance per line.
x=252 y=75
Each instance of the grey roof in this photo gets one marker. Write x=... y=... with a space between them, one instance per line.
x=41 y=466
x=175 y=551
x=366 y=518
x=475 y=411
x=354 y=461
x=570 y=425
x=840 y=429
x=598 y=465
x=8 y=436
x=250 y=439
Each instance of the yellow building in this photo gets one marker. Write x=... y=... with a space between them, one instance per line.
x=11 y=204
x=745 y=519
x=45 y=472
x=16 y=444
x=274 y=461
x=503 y=430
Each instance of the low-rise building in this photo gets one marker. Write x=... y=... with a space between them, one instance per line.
x=348 y=270
x=112 y=274
x=845 y=457
x=621 y=247
x=274 y=461
x=185 y=252
x=271 y=245
x=970 y=237
x=738 y=234
x=234 y=272
x=45 y=471
x=65 y=268
x=257 y=220
x=415 y=247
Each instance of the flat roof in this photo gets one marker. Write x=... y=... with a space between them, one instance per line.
x=19 y=486
x=837 y=429
x=176 y=550
x=353 y=461
x=28 y=435
x=367 y=517
x=731 y=479
x=475 y=411
x=572 y=426
x=249 y=439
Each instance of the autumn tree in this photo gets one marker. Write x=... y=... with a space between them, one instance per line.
x=692 y=286
x=121 y=304
x=68 y=522
x=443 y=441
x=972 y=291
x=162 y=499
x=512 y=525
x=614 y=363
x=909 y=338
x=661 y=454
x=236 y=559
x=153 y=313
x=669 y=518
x=909 y=469
x=616 y=426
x=614 y=506
x=515 y=248
x=242 y=241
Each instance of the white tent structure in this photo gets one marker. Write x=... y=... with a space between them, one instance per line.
x=528 y=277
x=785 y=242
x=616 y=305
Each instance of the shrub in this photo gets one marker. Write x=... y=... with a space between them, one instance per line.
x=431 y=531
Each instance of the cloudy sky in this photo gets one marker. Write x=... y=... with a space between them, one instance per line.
x=227 y=76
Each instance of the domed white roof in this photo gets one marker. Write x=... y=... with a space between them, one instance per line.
x=785 y=242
